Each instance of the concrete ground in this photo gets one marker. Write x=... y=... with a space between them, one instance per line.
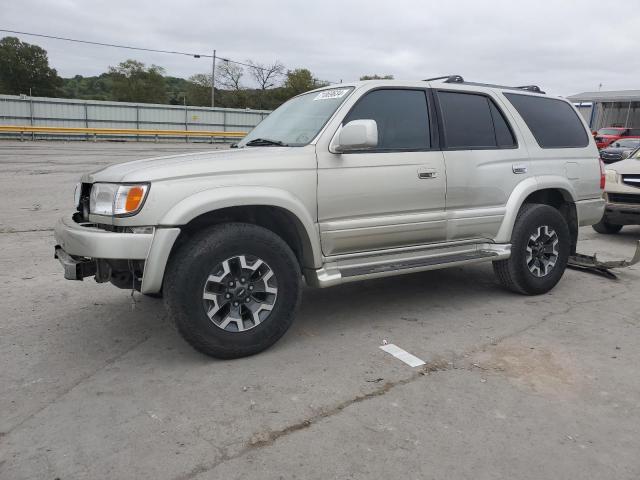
x=95 y=386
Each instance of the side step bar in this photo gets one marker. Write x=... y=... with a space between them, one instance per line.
x=384 y=265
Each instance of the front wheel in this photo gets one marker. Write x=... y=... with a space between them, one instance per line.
x=233 y=289
x=540 y=247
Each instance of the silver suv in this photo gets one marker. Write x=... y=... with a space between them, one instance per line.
x=341 y=184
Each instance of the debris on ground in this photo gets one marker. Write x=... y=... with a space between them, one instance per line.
x=590 y=263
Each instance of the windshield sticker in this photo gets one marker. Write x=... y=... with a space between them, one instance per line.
x=331 y=94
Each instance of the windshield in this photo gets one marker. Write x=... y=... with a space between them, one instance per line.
x=298 y=121
x=627 y=143
x=610 y=131
x=636 y=154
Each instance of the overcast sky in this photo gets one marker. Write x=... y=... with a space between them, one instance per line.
x=564 y=46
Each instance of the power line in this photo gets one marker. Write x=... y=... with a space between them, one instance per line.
x=129 y=47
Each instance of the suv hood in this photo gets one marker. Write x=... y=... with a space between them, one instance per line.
x=201 y=164
x=625 y=167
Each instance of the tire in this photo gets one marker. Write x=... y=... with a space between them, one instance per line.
x=606 y=228
x=198 y=281
x=539 y=270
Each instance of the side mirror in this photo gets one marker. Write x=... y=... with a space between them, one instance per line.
x=356 y=135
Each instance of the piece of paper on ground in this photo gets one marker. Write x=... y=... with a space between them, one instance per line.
x=402 y=355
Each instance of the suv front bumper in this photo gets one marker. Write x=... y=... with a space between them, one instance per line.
x=80 y=245
x=86 y=240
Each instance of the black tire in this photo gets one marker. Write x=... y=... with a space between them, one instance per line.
x=515 y=273
x=187 y=274
x=606 y=228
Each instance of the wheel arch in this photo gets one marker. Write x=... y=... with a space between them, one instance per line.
x=271 y=208
x=554 y=191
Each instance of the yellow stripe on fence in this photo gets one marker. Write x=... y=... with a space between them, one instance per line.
x=118 y=131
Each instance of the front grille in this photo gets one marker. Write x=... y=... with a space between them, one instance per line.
x=624 y=198
x=631 y=180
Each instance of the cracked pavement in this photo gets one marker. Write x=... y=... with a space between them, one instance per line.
x=94 y=386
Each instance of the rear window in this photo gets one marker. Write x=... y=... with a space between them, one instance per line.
x=553 y=123
x=634 y=132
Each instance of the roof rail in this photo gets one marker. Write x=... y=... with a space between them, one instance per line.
x=449 y=79
x=459 y=79
x=531 y=88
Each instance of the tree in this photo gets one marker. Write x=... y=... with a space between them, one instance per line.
x=23 y=67
x=199 y=90
x=266 y=76
x=299 y=81
x=134 y=82
x=229 y=75
x=375 y=76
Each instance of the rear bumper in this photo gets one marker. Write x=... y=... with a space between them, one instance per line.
x=81 y=247
x=589 y=211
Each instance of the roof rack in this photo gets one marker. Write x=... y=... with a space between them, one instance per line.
x=459 y=79
x=449 y=79
x=531 y=88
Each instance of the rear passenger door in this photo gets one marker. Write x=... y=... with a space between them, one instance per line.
x=484 y=161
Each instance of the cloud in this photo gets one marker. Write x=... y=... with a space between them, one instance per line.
x=565 y=47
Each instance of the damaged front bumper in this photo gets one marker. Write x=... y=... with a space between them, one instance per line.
x=74 y=268
x=85 y=250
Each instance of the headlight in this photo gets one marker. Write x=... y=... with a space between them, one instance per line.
x=116 y=199
x=611 y=176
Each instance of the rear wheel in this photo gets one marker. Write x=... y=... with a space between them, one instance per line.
x=606 y=228
x=540 y=246
x=233 y=290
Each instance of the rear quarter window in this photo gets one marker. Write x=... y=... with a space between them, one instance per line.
x=553 y=123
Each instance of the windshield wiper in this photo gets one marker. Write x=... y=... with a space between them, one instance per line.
x=261 y=142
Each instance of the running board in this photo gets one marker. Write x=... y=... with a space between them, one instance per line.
x=384 y=265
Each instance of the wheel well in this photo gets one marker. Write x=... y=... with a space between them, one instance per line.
x=280 y=221
x=562 y=201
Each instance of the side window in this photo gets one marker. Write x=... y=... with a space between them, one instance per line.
x=553 y=123
x=402 y=117
x=504 y=137
x=473 y=121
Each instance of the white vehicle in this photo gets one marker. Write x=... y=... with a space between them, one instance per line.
x=340 y=184
x=622 y=194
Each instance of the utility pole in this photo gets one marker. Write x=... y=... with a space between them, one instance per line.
x=213 y=80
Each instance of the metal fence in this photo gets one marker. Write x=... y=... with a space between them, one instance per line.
x=60 y=112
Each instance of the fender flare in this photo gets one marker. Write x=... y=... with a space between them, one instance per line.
x=237 y=196
x=520 y=194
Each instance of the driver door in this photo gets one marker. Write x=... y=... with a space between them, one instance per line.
x=391 y=196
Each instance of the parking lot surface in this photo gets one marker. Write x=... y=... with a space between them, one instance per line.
x=95 y=384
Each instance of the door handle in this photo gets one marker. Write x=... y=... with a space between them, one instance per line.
x=427 y=173
x=519 y=168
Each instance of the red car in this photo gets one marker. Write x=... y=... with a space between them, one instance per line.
x=605 y=136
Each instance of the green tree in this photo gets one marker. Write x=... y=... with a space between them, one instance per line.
x=199 y=90
x=375 y=76
x=24 y=66
x=299 y=81
x=134 y=82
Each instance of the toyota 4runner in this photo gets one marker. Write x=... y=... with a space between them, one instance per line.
x=341 y=184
